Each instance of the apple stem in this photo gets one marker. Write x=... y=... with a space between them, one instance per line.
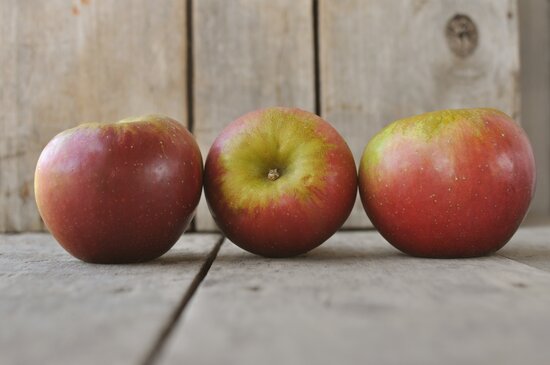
x=273 y=174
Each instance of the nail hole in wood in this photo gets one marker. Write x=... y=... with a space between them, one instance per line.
x=462 y=36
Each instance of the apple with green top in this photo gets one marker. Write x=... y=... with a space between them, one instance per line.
x=120 y=192
x=280 y=181
x=448 y=184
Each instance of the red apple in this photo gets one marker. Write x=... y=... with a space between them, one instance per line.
x=280 y=181
x=121 y=192
x=448 y=184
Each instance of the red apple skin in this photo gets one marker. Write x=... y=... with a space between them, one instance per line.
x=121 y=192
x=298 y=211
x=448 y=184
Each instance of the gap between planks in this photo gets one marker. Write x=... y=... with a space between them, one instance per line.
x=532 y=246
x=519 y=261
x=188 y=31
x=158 y=345
x=316 y=61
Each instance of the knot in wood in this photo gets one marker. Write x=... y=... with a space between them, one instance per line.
x=462 y=36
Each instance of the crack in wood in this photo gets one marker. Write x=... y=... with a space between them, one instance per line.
x=155 y=351
x=189 y=81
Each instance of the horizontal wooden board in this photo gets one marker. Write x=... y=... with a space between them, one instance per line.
x=531 y=245
x=357 y=300
x=58 y=310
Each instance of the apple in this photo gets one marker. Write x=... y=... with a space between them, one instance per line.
x=280 y=181
x=448 y=184
x=119 y=192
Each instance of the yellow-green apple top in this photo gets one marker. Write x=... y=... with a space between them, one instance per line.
x=450 y=183
x=280 y=181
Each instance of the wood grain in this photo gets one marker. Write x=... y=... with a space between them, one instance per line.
x=385 y=60
x=16 y=137
x=534 y=17
x=67 y=62
x=531 y=245
x=357 y=299
x=248 y=54
x=58 y=310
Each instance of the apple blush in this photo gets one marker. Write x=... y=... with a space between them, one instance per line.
x=280 y=181
x=120 y=192
x=448 y=184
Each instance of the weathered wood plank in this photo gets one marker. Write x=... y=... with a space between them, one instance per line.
x=531 y=245
x=67 y=62
x=384 y=60
x=356 y=300
x=248 y=54
x=534 y=20
x=12 y=149
x=58 y=310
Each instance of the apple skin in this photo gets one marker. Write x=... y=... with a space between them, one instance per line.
x=120 y=192
x=302 y=208
x=448 y=184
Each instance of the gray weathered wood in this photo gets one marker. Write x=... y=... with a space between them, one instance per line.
x=534 y=20
x=67 y=62
x=63 y=62
x=248 y=54
x=58 y=310
x=385 y=60
x=531 y=245
x=12 y=147
x=356 y=300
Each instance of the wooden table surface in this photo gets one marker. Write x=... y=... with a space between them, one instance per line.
x=354 y=300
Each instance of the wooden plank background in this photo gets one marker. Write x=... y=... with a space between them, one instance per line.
x=65 y=63
x=248 y=54
x=360 y=63
x=386 y=60
x=535 y=91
